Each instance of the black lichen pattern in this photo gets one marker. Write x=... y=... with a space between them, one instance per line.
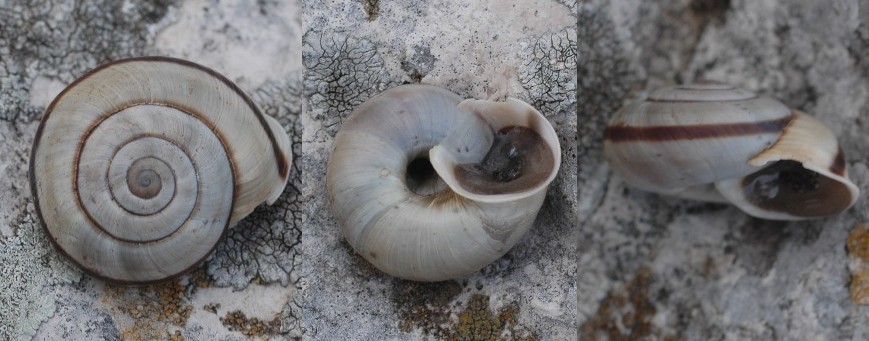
x=572 y=4
x=264 y=247
x=341 y=72
x=62 y=40
x=291 y=318
x=548 y=72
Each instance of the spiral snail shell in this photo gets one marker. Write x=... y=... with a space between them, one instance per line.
x=140 y=166
x=711 y=141
x=429 y=187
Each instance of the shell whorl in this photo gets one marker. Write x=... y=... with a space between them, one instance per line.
x=419 y=230
x=684 y=139
x=140 y=165
x=684 y=125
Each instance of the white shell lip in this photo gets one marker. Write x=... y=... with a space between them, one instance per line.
x=496 y=116
x=807 y=141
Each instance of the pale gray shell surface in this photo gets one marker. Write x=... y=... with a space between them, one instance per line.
x=140 y=166
x=392 y=185
x=714 y=142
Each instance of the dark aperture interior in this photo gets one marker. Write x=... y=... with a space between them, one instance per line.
x=786 y=186
x=518 y=160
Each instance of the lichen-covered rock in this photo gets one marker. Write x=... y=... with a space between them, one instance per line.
x=44 y=42
x=264 y=246
x=341 y=72
x=709 y=271
x=30 y=270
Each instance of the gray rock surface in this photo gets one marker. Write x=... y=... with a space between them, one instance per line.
x=353 y=50
x=653 y=267
x=45 y=45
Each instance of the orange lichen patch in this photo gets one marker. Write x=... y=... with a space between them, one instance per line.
x=200 y=279
x=478 y=322
x=154 y=310
x=858 y=242
x=252 y=327
x=626 y=313
x=176 y=336
x=433 y=309
x=858 y=252
x=860 y=287
x=426 y=306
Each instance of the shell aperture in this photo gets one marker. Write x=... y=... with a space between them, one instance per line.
x=714 y=142
x=518 y=158
x=392 y=180
x=788 y=187
x=140 y=166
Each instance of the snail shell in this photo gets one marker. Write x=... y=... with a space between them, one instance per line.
x=140 y=166
x=427 y=187
x=714 y=142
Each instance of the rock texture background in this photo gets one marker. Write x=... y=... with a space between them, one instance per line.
x=249 y=287
x=652 y=267
x=353 y=50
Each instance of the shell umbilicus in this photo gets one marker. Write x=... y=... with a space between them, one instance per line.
x=711 y=141
x=140 y=166
x=429 y=187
